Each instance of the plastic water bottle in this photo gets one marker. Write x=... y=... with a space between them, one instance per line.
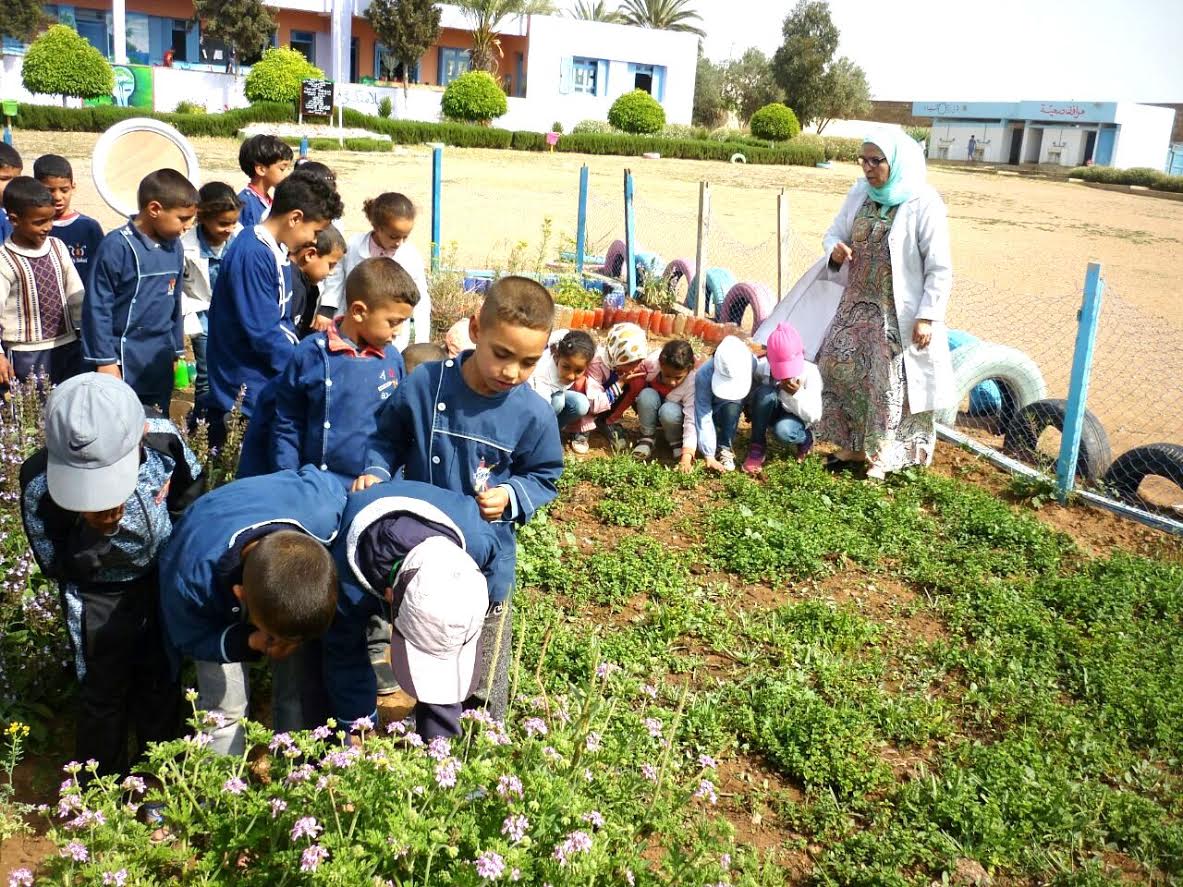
x=181 y=376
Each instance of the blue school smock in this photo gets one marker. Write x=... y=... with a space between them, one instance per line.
x=251 y=332
x=348 y=675
x=324 y=408
x=254 y=208
x=201 y=616
x=131 y=315
x=6 y=227
x=82 y=236
x=441 y=432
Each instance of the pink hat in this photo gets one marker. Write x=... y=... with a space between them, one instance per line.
x=786 y=354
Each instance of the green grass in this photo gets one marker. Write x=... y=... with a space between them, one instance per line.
x=1036 y=727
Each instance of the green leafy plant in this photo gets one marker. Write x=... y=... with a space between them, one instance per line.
x=62 y=62
x=775 y=122
x=592 y=126
x=385 y=107
x=276 y=77
x=637 y=112
x=570 y=291
x=557 y=126
x=1033 y=491
x=246 y=26
x=406 y=29
x=475 y=97
x=21 y=19
x=188 y=107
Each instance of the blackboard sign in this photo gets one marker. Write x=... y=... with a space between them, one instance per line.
x=316 y=98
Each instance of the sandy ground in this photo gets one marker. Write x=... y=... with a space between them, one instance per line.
x=1021 y=246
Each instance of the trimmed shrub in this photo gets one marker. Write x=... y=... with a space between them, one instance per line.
x=584 y=127
x=187 y=107
x=838 y=148
x=557 y=126
x=385 y=107
x=523 y=140
x=1138 y=175
x=103 y=117
x=813 y=140
x=775 y=122
x=637 y=112
x=682 y=131
x=276 y=76
x=355 y=144
x=475 y=97
x=789 y=153
x=62 y=62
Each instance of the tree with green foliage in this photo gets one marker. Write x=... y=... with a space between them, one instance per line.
x=21 y=19
x=748 y=84
x=637 y=113
x=846 y=94
x=710 y=106
x=662 y=15
x=276 y=77
x=485 y=19
x=799 y=66
x=62 y=62
x=406 y=28
x=775 y=122
x=245 y=26
x=596 y=11
x=474 y=97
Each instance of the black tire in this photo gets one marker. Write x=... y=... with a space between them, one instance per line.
x=1023 y=431
x=1153 y=460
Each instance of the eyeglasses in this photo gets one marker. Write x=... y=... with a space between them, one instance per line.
x=872 y=162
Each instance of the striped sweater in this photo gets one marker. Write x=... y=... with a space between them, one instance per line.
x=40 y=296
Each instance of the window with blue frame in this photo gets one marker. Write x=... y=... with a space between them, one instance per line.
x=388 y=67
x=452 y=63
x=585 y=76
x=650 y=78
x=304 y=42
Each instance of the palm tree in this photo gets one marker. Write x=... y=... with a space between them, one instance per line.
x=665 y=15
x=595 y=11
x=486 y=16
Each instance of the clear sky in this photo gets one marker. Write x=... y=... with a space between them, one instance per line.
x=1004 y=50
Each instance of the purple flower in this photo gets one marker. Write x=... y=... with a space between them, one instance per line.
x=20 y=878
x=322 y=733
x=300 y=774
x=706 y=792
x=86 y=819
x=605 y=669
x=72 y=767
x=654 y=726
x=489 y=865
x=595 y=819
x=594 y=742
x=117 y=879
x=312 y=857
x=707 y=762
x=649 y=772
x=361 y=725
x=134 y=784
x=278 y=740
x=725 y=862
x=439 y=748
x=306 y=827
x=515 y=828
x=75 y=851
x=278 y=805
x=535 y=727
x=199 y=740
x=396 y=727
x=508 y=786
x=234 y=786
x=414 y=740
x=552 y=753
x=650 y=691
x=575 y=842
x=446 y=772
x=515 y=875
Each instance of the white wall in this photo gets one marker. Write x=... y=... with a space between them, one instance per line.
x=991 y=140
x=1069 y=141
x=12 y=88
x=217 y=92
x=1144 y=137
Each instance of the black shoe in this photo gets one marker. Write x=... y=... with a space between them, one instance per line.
x=834 y=465
x=387 y=684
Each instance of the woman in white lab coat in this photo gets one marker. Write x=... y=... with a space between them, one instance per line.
x=885 y=358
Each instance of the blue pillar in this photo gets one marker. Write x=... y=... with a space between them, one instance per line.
x=630 y=245
x=1078 y=385
x=437 y=192
x=581 y=224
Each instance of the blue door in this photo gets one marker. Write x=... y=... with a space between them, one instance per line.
x=1175 y=160
x=1104 y=155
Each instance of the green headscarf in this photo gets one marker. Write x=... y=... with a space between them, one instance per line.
x=908 y=171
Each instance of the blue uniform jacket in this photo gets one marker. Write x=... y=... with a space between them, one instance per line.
x=439 y=431
x=202 y=618
x=6 y=227
x=251 y=332
x=131 y=315
x=323 y=410
x=82 y=235
x=253 y=208
x=348 y=674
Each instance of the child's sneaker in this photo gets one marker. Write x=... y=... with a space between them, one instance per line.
x=805 y=447
x=579 y=444
x=755 y=460
x=727 y=458
x=644 y=448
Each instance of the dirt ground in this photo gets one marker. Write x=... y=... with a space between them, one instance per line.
x=1021 y=245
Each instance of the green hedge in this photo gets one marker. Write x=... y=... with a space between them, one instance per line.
x=416 y=132
x=838 y=148
x=356 y=144
x=103 y=117
x=1139 y=175
x=524 y=140
x=788 y=153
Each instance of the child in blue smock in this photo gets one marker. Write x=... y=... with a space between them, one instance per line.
x=132 y=327
x=324 y=408
x=471 y=425
x=80 y=233
x=252 y=333
x=265 y=160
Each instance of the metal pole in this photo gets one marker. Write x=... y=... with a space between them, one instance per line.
x=437 y=193
x=1078 y=386
x=783 y=252
x=699 y=285
x=581 y=224
x=630 y=244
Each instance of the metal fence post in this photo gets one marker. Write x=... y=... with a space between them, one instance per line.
x=437 y=193
x=630 y=241
x=581 y=224
x=698 y=286
x=1078 y=386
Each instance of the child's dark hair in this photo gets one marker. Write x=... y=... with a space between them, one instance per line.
x=168 y=188
x=329 y=240
x=23 y=194
x=290 y=581
x=518 y=301
x=262 y=150
x=423 y=352
x=677 y=355
x=316 y=168
x=10 y=158
x=310 y=194
x=52 y=166
x=378 y=281
x=387 y=207
x=215 y=198
x=576 y=343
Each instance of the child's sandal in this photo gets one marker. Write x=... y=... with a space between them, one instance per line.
x=644 y=448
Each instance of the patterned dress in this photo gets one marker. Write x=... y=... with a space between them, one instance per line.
x=865 y=393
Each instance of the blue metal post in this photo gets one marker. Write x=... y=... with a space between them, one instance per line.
x=303 y=146
x=581 y=224
x=437 y=193
x=630 y=245
x=1078 y=386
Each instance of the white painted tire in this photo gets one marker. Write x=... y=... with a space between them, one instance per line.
x=738 y=158
x=1016 y=373
x=108 y=149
